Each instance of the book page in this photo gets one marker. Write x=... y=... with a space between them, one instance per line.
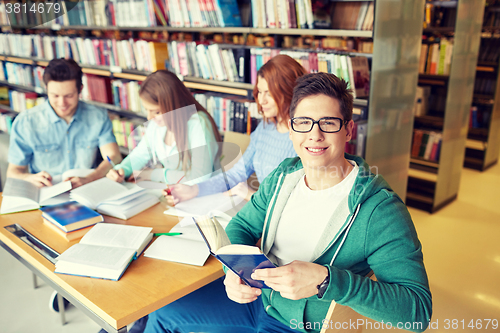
x=178 y=249
x=201 y=206
x=98 y=256
x=20 y=188
x=117 y=235
x=239 y=249
x=52 y=191
x=92 y=194
x=214 y=233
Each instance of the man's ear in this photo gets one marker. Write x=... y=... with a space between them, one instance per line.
x=349 y=130
x=81 y=89
x=290 y=128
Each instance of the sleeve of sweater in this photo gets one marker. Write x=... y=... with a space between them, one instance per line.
x=401 y=294
x=137 y=159
x=237 y=174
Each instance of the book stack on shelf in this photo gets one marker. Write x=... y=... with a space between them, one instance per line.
x=483 y=142
x=443 y=103
x=96 y=88
x=435 y=56
x=70 y=220
x=300 y=14
x=126 y=95
x=128 y=132
x=231 y=114
x=6 y=122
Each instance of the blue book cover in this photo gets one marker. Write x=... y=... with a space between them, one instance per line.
x=228 y=12
x=71 y=215
x=244 y=265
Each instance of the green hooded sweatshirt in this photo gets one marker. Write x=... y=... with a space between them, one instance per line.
x=377 y=234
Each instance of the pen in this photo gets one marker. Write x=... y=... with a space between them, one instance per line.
x=167 y=234
x=110 y=162
x=169 y=192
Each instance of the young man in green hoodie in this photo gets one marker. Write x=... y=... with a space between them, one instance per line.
x=326 y=221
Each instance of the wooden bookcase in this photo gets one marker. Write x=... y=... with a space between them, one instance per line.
x=396 y=39
x=483 y=139
x=432 y=185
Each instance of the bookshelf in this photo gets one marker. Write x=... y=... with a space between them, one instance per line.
x=432 y=184
x=483 y=138
x=396 y=36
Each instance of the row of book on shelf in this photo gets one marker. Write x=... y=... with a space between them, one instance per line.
x=211 y=62
x=242 y=64
x=426 y=145
x=127 y=13
x=20 y=101
x=489 y=50
x=485 y=86
x=307 y=14
x=124 y=54
x=284 y=14
x=435 y=56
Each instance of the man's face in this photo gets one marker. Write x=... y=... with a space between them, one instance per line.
x=318 y=149
x=63 y=97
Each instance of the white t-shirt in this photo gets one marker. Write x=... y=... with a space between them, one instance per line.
x=305 y=217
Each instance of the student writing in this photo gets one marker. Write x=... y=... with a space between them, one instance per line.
x=180 y=135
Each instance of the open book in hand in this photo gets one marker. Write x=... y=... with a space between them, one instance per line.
x=105 y=251
x=111 y=198
x=243 y=260
x=20 y=195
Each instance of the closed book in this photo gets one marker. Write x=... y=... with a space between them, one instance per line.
x=69 y=216
x=68 y=236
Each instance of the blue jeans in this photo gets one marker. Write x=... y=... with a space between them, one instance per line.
x=209 y=310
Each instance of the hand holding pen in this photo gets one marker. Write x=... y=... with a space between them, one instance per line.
x=116 y=175
x=168 y=190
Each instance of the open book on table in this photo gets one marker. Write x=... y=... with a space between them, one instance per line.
x=243 y=260
x=20 y=195
x=105 y=251
x=111 y=198
x=224 y=207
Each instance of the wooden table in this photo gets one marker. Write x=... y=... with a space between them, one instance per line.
x=147 y=285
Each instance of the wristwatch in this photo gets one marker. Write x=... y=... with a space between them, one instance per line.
x=323 y=286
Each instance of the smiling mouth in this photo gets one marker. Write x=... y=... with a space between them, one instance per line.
x=315 y=150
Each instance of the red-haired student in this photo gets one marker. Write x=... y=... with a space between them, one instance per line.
x=269 y=143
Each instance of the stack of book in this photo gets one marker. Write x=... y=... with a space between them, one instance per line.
x=70 y=220
x=426 y=145
x=435 y=57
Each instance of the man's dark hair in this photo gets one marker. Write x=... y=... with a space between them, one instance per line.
x=63 y=70
x=323 y=84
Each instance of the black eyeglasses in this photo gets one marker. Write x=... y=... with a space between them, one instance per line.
x=326 y=124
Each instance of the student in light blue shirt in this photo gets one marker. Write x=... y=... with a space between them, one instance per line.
x=61 y=134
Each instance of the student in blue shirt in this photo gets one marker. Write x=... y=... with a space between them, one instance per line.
x=269 y=143
x=180 y=135
x=61 y=134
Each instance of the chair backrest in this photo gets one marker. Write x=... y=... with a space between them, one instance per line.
x=242 y=140
x=339 y=317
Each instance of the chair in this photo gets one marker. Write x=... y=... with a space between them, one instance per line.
x=242 y=140
x=343 y=314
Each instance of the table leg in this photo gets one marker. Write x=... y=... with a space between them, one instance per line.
x=60 y=302
x=35 y=285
